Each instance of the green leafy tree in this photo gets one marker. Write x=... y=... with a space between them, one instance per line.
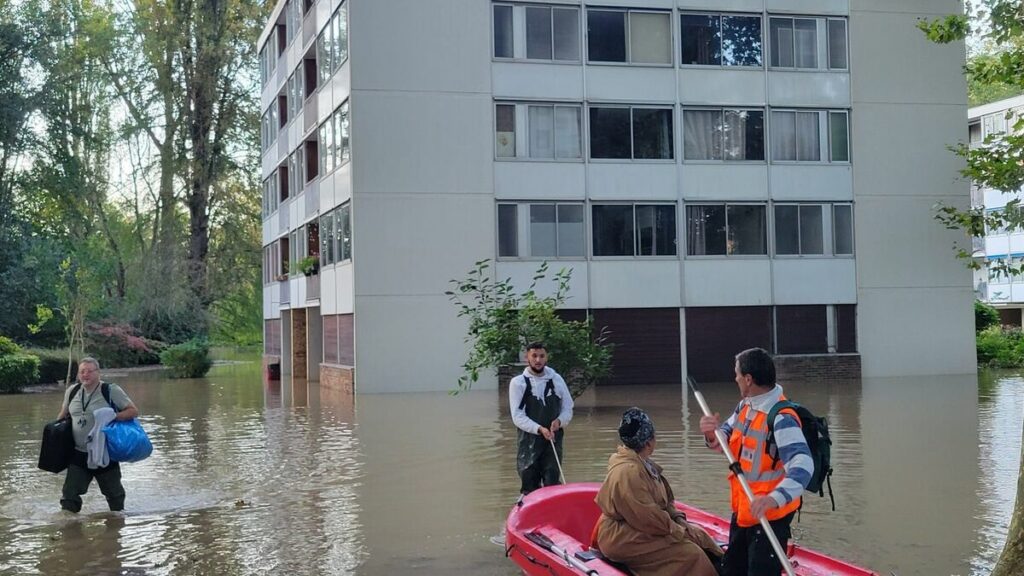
x=984 y=316
x=995 y=164
x=502 y=322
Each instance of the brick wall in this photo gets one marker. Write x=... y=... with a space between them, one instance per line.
x=337 y=378
x=818 y=366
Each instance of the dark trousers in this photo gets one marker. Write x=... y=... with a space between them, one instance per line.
x=78 y=478
x=543 y=472
x=750 y=552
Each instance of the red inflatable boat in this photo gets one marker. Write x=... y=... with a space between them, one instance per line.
x=550 y=534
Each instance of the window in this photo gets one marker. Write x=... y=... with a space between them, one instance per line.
x=629 y=37
x=324 y=43
x=720 y=40
x=343 y=232
x=797 y=43
x=728 y=134
x=327 y=239
x=552 y=131
x=974 y=132
x=551 y=33
x=549 y=230
x=326 y=147
x=340 y=47
x=637 y=133
x=797 y=136
x=842 y=229
x=634 y=229
x=726 y=230
x=799 y=229
x=312 y=165
x=333 y=140
x=309 y=75
x=342 y=118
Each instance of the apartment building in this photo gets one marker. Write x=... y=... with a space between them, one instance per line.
x=716 y=174
x=1006 y=293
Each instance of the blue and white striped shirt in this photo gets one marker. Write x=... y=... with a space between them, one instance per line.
x=793 y=450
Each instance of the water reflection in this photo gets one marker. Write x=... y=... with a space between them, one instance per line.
x=250 y=477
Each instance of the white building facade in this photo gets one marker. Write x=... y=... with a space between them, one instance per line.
x=1004 y=292
x=716 y=174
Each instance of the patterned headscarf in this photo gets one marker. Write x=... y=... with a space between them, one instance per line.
x=636 y=429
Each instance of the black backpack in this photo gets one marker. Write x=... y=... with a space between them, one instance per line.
x=816 y=434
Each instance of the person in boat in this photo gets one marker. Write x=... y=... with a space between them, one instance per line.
x=640 y=526
x=541 y=408
x=777 y=477
x=82 y=403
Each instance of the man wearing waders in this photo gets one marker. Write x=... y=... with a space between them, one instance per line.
x=541 y=408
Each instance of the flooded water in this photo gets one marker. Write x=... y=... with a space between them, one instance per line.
x=284 y=478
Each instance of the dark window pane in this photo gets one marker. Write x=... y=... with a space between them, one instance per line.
x=652 y=133
x=609 y=133
x=801 y=329
x=839 y=136
x=781 y=32
x=567 y=33
x=606 y=36
x=508 y=232
x=705 y=230
x=701 y=40
x=846 y=328
x=505 y=130
x=812 y=235
x=613 y=230
x=787 y=232
x=538 y=33
x=741 y=40
x=747 y=230
x=842 y=227
x=503 y=31
x=837 y=44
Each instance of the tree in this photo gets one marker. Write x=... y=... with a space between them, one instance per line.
x=995 y=164
x=502 y=323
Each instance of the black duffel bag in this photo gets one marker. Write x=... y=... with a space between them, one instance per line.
x=58 y=446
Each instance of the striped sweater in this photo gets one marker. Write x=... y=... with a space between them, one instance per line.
x=793 y=450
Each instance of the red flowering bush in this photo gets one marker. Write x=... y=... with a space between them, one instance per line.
x=119 y=345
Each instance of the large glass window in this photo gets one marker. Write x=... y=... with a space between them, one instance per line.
x=726 y=229
x=720 y=40
x=629 y=37
x=552 y=230
x=797 y=136
x=728 y=134
x=842 y=229
x=552 y=131
x=551 y=32
x=799 y=229
x=502 y=31
x=625 y=133
x=837 y=44
x=634 y=230
x=797 y=43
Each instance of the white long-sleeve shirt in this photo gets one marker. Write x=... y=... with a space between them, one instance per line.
x=517 y=387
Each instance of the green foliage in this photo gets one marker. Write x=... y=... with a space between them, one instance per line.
x=8 y=346
x=53 y=364
x=17 y=371
x=187 y=360
x=502 y=322
x=1000 y=347
x=984 y=316
x=306 y=265
x=239 y=317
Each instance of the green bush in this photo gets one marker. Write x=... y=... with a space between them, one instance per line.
x=7 y=346
x=1001 y=347
x=17 y=371
x=984 y=316
x=53 y=364
x=187 y=360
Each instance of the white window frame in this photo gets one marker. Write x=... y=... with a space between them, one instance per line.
x=769 y=232
x=722 y=110
x=591 y=234
x=632 y=134
x=824 y=137
x=521 y=133
x=519 y=38
x=822 y=47
x=523 y=240
x=672 y=53
x=720 y=15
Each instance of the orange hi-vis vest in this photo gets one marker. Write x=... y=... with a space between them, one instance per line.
x=763 y=473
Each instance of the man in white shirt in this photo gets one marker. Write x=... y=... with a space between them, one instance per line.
x=541 y=408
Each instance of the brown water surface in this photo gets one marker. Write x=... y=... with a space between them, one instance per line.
x=285 y=478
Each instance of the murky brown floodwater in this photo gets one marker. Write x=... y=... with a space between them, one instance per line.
x=416 y=483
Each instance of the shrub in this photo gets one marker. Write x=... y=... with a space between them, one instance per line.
x=53 y=364
x=7 y=346
x=984 y=316
x=187 y=360
x=17 y=371
x=1000 y=347
x=118 y=345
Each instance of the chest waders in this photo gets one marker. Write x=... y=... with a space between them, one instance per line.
x=535 y=461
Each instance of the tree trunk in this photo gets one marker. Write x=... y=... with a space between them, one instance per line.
x=1011 y=561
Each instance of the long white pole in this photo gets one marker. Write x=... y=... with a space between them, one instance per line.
x=723 y=442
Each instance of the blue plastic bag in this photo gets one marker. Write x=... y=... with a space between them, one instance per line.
x=127 y=441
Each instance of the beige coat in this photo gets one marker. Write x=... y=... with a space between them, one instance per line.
x=641 y=528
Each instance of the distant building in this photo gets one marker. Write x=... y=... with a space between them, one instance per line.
x=718 y=174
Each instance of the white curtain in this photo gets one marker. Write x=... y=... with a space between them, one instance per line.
x=784 y=135
x=542 y=132
x=808 y=138
x=567 y=132
x=805 y=35
x=650 y=38
x=702 y=134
